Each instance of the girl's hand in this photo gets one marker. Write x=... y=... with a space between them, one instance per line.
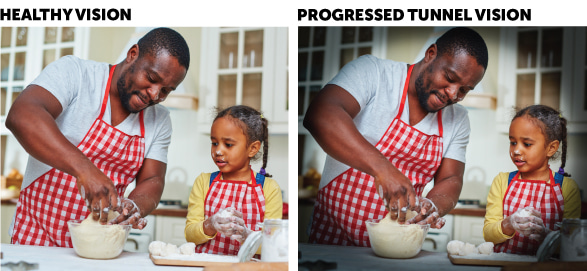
x=525 y=221
x=223 y=221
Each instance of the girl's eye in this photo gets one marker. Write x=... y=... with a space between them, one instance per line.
x=527 y=145
x=513 y=143
x=214 y=144
x=229 y=145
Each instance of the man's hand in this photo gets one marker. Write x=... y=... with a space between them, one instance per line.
x=427 y=214
x=99 y=194
x=130 y=214
x=397 y=194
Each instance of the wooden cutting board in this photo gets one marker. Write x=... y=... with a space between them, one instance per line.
x=224 y=266
x=187 y=263
x=250 y=266
x=493 y=262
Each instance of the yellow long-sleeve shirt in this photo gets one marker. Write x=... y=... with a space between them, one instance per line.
x=194 y=228
x=492 y=231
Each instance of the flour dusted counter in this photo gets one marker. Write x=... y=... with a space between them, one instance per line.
x=363 y=258
x=59 y=259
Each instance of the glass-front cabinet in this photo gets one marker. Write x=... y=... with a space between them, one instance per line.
x=544 y=66
x=24 y=52
x=245 y=66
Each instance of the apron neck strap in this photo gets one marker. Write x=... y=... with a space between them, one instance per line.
x=106 y=92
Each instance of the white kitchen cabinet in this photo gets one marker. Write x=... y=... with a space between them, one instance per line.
x=7 y=212
x=543 y=66
x=170 y=229
x=469 y=229
x=245 y=66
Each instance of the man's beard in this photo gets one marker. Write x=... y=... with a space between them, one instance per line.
x=424 y=96
x=125 y=93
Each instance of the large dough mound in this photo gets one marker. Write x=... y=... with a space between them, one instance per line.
x=94 y=240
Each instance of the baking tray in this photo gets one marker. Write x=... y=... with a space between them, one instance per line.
x=510 y=260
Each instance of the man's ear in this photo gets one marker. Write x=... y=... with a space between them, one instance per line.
x=132 y=54
x=254 y=148
x=431 y=53
x=552 y=148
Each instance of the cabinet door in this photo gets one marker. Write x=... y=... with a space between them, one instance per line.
x=245 y=66
x=469 y=229
x=543 y=66
x=170 y=229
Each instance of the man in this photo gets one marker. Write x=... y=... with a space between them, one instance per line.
x=389 y=128
x=91 y=129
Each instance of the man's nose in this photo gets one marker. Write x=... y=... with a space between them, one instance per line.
x=154 y=93
x=452 y=92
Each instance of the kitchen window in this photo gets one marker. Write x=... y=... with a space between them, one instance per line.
x=25 y=51
x=544 y=65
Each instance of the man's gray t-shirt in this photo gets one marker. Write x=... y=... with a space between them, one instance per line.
x=79 y=85
x=377 y=85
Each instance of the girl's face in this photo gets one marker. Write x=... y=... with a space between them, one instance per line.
x=230 y=151
x=528 y=148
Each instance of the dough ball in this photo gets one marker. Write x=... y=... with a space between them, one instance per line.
x=468 y=249
x=187 y=248
x=524 y=213
x=454 y=247
x=169 y=249
x=485 y=248
x=156 y=247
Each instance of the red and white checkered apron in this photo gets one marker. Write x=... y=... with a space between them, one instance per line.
x=246 y=198
x=45 y=206
x=546 y=197
x=343 y=206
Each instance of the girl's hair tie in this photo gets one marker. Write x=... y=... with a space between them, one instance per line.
x=262 y=171
x=561 y=171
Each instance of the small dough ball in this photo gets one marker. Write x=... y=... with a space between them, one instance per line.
x=485 y=248
x=454 y=247
x=156 y=247
x=169 y=250
x=468 y=249
x=187 y=248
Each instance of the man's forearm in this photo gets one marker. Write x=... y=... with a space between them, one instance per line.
x=147 y=195
x=445 y=195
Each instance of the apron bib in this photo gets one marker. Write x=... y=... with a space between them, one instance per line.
x=45 y=206
x=246 y=198
x=343 y=206
x=546 y=197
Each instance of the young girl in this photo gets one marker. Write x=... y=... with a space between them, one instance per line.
x=524 y=205
x=225 y=206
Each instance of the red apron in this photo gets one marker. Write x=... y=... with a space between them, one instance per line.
x=246 y=197
x=45 y=206
x=546 y=197
x=343 y=206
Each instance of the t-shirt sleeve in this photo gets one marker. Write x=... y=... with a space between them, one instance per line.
x=194 y=228
x=357 y=78
x=572 y=198
x=62 y=78
x=492 y=231
x=457 y=148
x=162 y=138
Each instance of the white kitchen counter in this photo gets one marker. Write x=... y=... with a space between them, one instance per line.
x=55 y=258
x=363 y=258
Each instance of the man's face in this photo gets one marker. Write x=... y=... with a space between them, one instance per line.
x=148 y=80
x=446 y=80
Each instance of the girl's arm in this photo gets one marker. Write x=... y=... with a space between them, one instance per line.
x=572 y=198
x=273 y=200
x=194 y=227
x=492 y=231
